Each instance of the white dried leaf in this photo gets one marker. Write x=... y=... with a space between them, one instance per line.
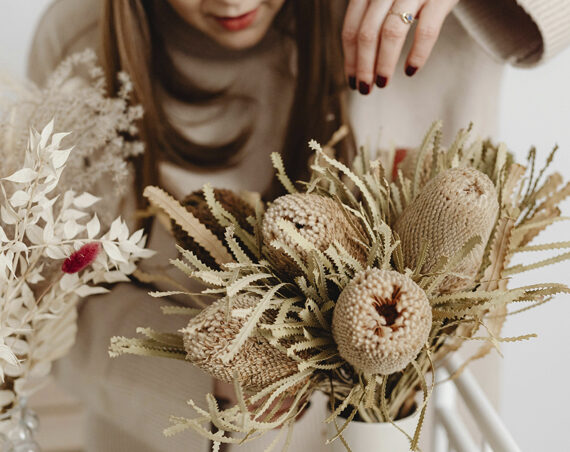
x=57 y=137
x=19 y=198
x=59 y=158
x=3 y=237
x=46 y=134
x=55 y=252
x=72 y=214
x=8 y=216
x=68 y=198
x=6 y=397
x=115 y=228
x=115 y=276
x=22 y=176
x=85 y=290
x=85 y=200
x=48 y=233
x=129 y=247
x=34 y=234
x=71 y=229
x=19 y=247
x=112 y=251
x=68 y=281
x=93 y=227
x=136 y=236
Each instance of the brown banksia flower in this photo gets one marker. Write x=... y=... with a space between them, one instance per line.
x=455 y=206
x=196 y=204
x=318 y=219
x=208 y=335
x=381 y=321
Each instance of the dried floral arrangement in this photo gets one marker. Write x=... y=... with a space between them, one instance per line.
x=52 y=253
x=356 y=283
x=104 y=128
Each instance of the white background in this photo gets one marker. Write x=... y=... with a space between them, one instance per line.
x=535 y=109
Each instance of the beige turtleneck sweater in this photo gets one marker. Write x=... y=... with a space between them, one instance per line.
x=129 y=399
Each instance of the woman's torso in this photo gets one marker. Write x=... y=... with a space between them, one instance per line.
x=129 y=399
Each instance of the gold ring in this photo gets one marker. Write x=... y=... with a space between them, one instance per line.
x=407 y=18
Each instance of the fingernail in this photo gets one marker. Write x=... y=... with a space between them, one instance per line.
x=364 y=88
x=352 y=82
x=381 y=81
x=411 y=70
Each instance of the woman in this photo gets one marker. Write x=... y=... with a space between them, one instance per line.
x=226 y=82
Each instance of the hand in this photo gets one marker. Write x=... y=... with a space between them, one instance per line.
x=374 y=33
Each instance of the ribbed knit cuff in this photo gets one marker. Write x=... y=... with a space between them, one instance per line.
x=520 y=32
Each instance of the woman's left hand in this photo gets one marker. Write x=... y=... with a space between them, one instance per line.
x=374 y=32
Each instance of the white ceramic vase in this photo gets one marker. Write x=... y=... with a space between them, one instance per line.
x=374 y=437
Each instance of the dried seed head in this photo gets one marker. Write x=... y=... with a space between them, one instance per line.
x=317 y=218
x=452 y=208
x=196 y=204
x=81 y=258
x=381 y=321
x=208 y=335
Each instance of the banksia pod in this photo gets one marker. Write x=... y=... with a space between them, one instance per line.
x=207 y=337
x=318 y=219
x=381 y=321
x=455 y=206
x=196 y=204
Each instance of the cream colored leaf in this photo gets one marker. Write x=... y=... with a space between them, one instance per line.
x=189 y=223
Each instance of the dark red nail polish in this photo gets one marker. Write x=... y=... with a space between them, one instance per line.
x=364 y=88
x=411 y=70
x=352 y=82
x=381 y=81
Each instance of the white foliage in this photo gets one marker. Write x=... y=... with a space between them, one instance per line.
x=39 y=230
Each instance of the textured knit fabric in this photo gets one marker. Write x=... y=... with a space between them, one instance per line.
x=130 y=398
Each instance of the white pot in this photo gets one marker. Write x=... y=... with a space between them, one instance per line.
x=374 y=437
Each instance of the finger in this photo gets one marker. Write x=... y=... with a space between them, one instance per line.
x=368 y=37
x=392 y=38
x=427 y=31
x=351 y=25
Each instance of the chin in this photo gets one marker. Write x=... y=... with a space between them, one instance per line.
x=239 y=40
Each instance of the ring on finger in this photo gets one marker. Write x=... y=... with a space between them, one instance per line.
x=407 y=18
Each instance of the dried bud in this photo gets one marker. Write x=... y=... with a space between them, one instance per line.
x=453 y=207
x=318 y=219
x=81 y=258
x=208 y=335
x=381 y=321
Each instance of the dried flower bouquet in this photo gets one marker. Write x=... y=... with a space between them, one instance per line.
x=103 y=128
x=356 y=284
x=52 y=253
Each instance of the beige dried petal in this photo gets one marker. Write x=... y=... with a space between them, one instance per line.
x=452 y=208
x=208 y=335
x=317 y=218
x=381 y=321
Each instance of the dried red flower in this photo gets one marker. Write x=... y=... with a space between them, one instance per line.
x=81 y=258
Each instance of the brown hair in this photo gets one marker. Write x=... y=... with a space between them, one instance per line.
x=318 y=106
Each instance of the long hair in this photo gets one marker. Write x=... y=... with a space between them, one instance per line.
x=131 y=45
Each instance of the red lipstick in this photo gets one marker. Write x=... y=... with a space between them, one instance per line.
x=237 y=23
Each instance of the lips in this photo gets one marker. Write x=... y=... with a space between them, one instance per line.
x=237 y=23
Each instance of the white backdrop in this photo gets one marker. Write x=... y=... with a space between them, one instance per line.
x=535 y=109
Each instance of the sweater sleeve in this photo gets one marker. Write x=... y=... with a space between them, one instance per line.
x=66 y=27
x=521 y=32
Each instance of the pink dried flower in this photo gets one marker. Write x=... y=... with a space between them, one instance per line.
x=81 y=258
